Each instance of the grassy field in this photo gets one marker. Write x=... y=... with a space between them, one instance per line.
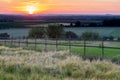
x=77 y=47
x=19 y=64
x=7 y=25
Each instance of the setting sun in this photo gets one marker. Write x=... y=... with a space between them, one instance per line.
x=31 y=9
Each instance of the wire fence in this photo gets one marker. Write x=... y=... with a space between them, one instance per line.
x=100 y=48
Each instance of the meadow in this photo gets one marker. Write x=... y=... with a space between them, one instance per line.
x=20 y=64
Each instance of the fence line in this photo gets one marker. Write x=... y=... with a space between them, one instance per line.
x=66 y=42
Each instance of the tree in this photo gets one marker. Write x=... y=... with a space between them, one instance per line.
x=77 y=24
x=93 y=25
x=88 y=35
x=37 y=32
x=55 y=31
x=111 y=38
x=71 y=34
x=71 y=24
x=111 y=22
x=4 y=35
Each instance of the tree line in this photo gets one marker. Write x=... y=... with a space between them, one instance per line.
x=6 y=24
x=104 y=23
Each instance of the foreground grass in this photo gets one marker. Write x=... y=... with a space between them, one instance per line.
x=19 y=64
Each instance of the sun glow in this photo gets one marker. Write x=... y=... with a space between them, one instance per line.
x=31 y=9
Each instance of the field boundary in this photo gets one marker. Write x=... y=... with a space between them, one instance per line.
x=69 y=43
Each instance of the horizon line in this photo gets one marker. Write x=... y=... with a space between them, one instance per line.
x=65 y=14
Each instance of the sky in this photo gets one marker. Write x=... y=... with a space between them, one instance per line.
x=59 y=6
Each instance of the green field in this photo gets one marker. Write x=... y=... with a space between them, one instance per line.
x=7 y=25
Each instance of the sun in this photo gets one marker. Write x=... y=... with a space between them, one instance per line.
x=31 y=9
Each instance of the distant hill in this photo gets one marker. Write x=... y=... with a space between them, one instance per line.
x=55 y=18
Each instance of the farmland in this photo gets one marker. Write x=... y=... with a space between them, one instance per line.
x=58 y=59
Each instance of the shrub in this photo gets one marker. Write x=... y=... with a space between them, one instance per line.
x=52 y=31
x=36 y=32
x=55 y=31
x=70 y=34
x=4 y=35
x=116 y=60
x=77 y=24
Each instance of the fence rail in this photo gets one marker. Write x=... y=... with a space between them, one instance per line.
x=74 y=46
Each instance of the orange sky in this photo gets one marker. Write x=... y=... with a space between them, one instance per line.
x=61 y=6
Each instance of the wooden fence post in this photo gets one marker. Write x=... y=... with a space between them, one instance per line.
x=56 y=44
x=4 y=42
x=11 y=39
x=35 y=43
x=45 y=44
x=45 y=38
x=26 y=42
x=19 y=42
x=84 y=48
x=70 y=44
x=102 y=49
